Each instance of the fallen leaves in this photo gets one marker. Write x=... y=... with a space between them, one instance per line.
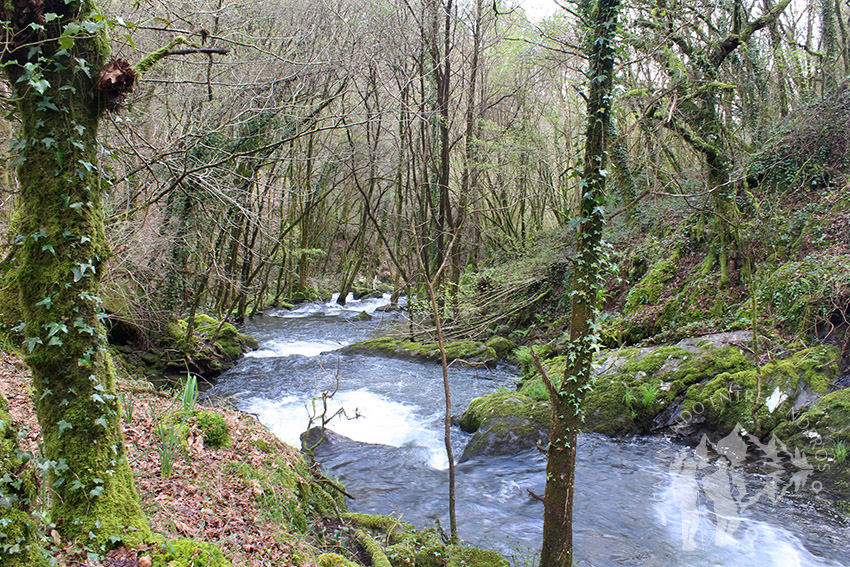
x=205 y=499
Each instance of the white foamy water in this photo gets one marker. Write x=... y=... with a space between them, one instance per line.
x=739 y=540
x=368 y=418
x=352 y=306
x=281 y=348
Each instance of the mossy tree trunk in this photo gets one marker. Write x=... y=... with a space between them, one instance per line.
x=60 y=252
x=557 y=549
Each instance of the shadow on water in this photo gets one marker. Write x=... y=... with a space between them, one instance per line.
x=630 y=507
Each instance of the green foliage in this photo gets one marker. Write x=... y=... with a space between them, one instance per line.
x=172 y=438
x=289 y=493
x=188 y=553
x=213 y=428
x=799 y=295
x=18 y=526
x=839 y=452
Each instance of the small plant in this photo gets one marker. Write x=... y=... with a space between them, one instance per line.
x=189 y=395
x=170 y=445
x=629 y=400
x=214 y=429
x=523 y=357
x=839 y=452
x=127 y=406
x=648 y=395
x=537 y=391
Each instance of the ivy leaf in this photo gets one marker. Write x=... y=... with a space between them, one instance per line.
x=55 y=341
x=78 y=274
x=32 y=341
x=63 y=425
x=40 y=86
x=47 y=302
x=96 y=491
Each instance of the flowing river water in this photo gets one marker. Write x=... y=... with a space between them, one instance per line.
x=632 y=506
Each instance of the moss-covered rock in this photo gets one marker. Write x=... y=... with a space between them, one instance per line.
x=213 y=348
x=504 y=423
x=366 y=293
x=501 y=345
x=732 y=397
x=474 y=557
x=309 y=295
x=189 y=553
x=822 y=426
x=18 y=545
x=471 y=351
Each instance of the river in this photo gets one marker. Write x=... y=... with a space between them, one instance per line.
x=632 y=507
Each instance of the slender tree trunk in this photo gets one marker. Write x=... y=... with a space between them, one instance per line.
x=557 y=549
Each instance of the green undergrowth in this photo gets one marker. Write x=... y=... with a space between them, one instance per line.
x=289 y=493
x=389 y=542
x=210 y=423
x=188 y=553
x=18 y=526
x=213 y=348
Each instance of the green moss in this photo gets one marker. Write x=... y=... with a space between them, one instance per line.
x=502 y=346
x=503 y=404
x=474 y=557
x=432 y=556
x=263 y=445
x=648 y=290
x=213 y=428
x=189 y=553
x=401 y=554
x=289 y=493
x=822 y=425
x=334 y=560
x=384 y=524
x=373 y=548
x=797 y=295
x=201 y=352
x=465 y=350
x=729 y=398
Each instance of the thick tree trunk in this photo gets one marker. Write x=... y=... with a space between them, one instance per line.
x=61 y=251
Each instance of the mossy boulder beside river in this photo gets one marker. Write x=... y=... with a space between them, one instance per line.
x=699 y=385
x=505 y=423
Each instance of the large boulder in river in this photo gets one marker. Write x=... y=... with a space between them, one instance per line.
x=470 y=351
x=504 y=423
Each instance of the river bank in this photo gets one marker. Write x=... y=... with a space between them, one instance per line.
x=392 y=461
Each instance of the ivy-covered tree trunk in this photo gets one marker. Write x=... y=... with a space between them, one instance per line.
x=17 y=491
x=557 y=549
x=55 y=60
